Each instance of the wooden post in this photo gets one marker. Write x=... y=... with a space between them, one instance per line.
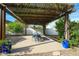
x=2 y=22
x=44 y=29
x=0 y=25
x=66 y=31
x=25 y=30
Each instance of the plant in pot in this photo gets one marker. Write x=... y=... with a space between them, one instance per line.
x=6 y=46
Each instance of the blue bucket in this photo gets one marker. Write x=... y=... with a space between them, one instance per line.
x=65 y=44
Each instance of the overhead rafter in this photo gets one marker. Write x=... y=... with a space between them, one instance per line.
x=34 y=10
x=11 y=13
x=33 y=13
x=50 y=6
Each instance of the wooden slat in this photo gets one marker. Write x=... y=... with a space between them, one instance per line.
x=32 y=12
x=53 y=6
x=34 y=15
x=0 y=25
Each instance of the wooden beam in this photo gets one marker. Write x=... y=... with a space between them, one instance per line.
x=37 y=7
x=64 y=13
x=35 y=11
x=31 y=16
x=44 y=29
x=45 y=6
x=2 y=22
x=11 y=13
x=66 y=31
x=32 y=6
x=36 y=22
x=32 y=22
x=38 y=19
x=25 y=29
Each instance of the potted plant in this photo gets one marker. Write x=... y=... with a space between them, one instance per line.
x=6 y=46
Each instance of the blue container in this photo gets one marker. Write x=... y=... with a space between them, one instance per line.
x=65 y=44
x=6 y=48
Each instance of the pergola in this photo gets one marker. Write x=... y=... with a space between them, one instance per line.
x=36 y=13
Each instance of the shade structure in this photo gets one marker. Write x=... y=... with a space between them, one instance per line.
x=39 y=13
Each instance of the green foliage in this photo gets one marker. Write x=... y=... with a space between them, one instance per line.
x=5 y=41
x=74 y=39
x=73 y=42
x=1 y=41
x=73 y=29
x=16 y=27
x=60 y=27
x=60 y=39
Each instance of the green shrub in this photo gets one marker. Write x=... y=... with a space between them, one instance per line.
x=5 y=41
x=73 y=42
x=1 y=41
x=60 y=39
x=15 y=27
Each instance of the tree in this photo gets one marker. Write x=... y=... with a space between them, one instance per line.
x=16 y=27
x=60 y=27
x=74 y=29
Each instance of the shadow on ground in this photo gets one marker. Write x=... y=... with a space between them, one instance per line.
x=28 y=48
x=16 y=39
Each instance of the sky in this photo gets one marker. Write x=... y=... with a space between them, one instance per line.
x=73 y=16
x=10 y=18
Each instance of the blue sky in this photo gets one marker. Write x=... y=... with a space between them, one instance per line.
x=75 y=15
x=9 y=17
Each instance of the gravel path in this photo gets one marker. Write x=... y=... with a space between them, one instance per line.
x=24 y=45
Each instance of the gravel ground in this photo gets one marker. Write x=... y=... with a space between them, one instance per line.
x=66 y=52
x=25 y=46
